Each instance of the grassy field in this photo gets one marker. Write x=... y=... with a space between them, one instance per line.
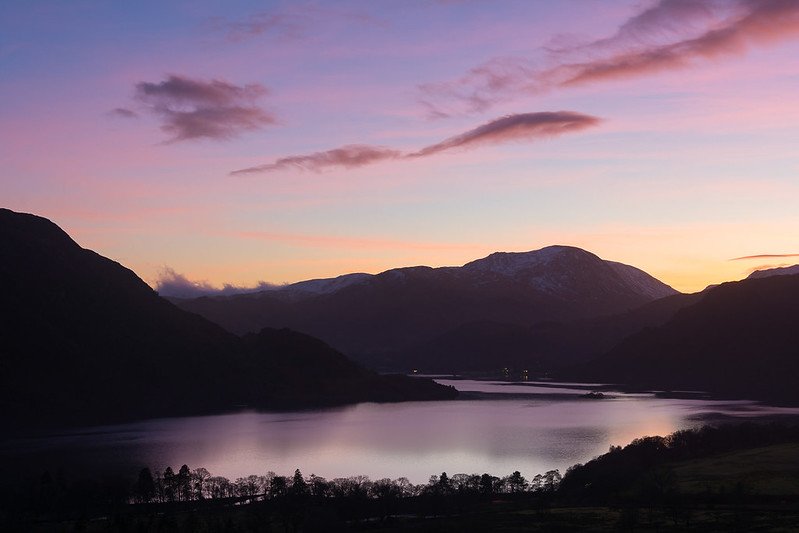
x=765 y=471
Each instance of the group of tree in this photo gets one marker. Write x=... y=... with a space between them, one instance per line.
x=198 y=484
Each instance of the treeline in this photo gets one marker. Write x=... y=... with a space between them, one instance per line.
x=198 y=484
x=284 y=501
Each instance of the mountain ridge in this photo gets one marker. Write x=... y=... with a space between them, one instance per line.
x=491 y=263
x=368 y=316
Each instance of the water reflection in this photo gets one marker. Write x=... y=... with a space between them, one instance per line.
x=521 y=431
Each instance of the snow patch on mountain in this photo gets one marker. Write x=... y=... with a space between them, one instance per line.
x=555 y=269
x=327 y=285
x=511 y=263
x=640 y=281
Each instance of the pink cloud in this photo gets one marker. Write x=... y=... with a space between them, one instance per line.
x=518 y=127
x=764 y=21
x=350 y=156
x=524 y=126
x=672 y=34
x=666 y=18
x=195 y=109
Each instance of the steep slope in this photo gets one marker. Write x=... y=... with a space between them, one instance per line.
x=741 y=339
x=371 y=316
x=82 y=337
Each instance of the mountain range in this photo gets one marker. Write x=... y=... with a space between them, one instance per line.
x=379 y=318
x=559 y=310
x=83 y=339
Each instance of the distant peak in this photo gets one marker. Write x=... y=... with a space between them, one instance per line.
x=779 y=271
x=511 y=262
x=554 y=268
x=27 y=226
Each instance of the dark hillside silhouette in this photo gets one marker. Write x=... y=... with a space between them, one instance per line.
x=82 y=337
x=740 y=339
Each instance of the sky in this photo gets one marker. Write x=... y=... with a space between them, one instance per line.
x=246 y=142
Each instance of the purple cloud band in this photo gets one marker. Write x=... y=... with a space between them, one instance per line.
x=519 y=127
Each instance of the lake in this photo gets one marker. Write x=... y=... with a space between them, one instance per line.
x=495 y=428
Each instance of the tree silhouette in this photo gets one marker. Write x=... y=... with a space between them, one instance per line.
x=144 y=490
x=278 y=487
x=551 y=481
x=199 y=478
x=169 y=484
x=183 y=482
x=487 y=484
x=298 y=485
x=516 y=482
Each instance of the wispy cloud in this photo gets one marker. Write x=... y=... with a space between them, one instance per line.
x=350 y=156
x=192 y=109
x=518 y=127
x=762 y=22
x=175 y=285
x=665 y=20
x=671 y=34
x=284 y=25
x=762 y=256
x=294 y=22
x=123 y=112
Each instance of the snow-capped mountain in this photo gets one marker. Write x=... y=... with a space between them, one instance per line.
x=567 y=270
x=398 y=308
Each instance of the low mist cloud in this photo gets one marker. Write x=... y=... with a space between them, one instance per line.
x=175 y=285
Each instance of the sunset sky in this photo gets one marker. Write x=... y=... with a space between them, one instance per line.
x=238 y=142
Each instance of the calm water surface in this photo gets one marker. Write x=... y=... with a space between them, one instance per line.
x=497 y=428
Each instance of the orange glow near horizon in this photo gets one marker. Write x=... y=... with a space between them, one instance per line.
x=658 y=134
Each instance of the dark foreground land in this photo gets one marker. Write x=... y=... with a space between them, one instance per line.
x=733 y=478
